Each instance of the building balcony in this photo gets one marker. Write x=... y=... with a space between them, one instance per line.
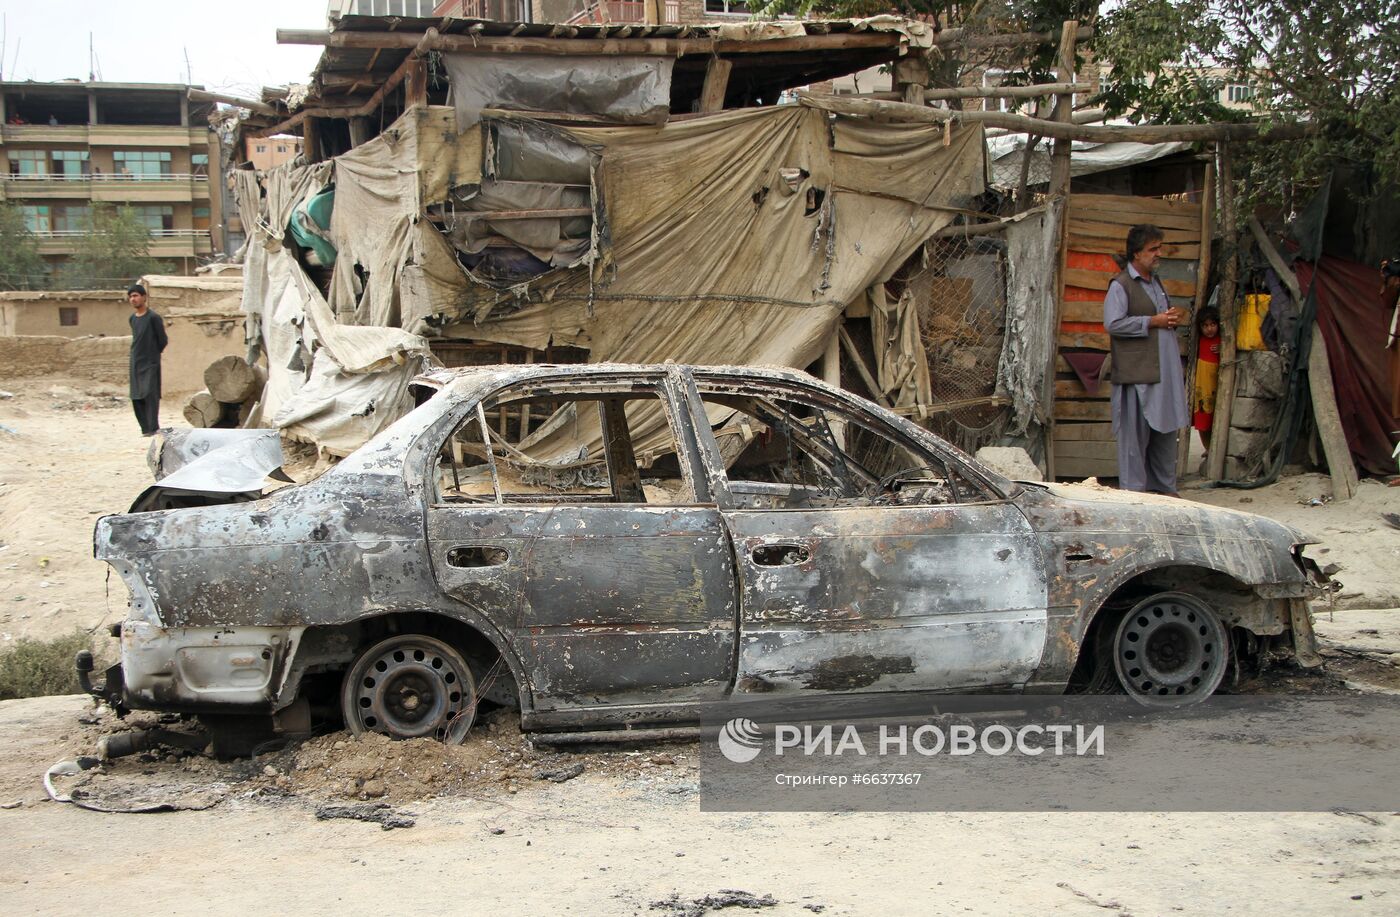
x=117 y=135
x=106 y=187
x=606 y=12
x=164 y=243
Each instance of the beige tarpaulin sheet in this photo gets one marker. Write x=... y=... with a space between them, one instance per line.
x=330 y=384
x=737 y=237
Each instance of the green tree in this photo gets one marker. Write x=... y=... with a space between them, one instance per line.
x=114 y=250
x=21 y=266
x=1331 y=63
x=1025 y=64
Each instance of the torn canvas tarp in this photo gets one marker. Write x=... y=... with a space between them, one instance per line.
x=738 y=237
x=1005 y=154
x=630 y=89
x=1032 y=243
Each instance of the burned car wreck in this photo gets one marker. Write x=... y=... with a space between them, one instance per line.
x=611 y=546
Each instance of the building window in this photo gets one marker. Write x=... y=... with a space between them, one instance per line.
x=262 y=148
x=200 y=217
x=36 y=217
x=72 y=218
x=68 y=315
x=29 y=162
x=155 y=217
x=70 y=162
x=199 y=163
x=281 y=148
x=1239 y=92
x=144 y=163
x=727 y=6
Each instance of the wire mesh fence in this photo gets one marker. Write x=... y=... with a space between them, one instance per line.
x=959 y=288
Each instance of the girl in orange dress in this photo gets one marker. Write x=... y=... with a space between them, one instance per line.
x=1207 y=369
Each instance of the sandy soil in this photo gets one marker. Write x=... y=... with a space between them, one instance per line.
x=493 y=832
x=631 y=839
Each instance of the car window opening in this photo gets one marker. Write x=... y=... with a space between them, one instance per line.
x=782 y=454
x=547 y=448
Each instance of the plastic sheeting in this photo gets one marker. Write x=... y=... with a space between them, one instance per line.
x=1029 y=344
x=1008 y=150
x=630 y=89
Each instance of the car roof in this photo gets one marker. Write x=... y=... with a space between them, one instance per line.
x=510 y=372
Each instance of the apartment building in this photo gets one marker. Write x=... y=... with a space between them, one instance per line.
x=69 y=145
x=622 y=12
x=270 y=152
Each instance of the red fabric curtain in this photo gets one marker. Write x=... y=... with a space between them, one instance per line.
x=1354 y=326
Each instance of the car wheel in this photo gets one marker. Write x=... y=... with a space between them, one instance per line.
x=410 y=686
x=1170 y=650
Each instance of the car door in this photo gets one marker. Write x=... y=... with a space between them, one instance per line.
x=622 y=591
x=853 y=587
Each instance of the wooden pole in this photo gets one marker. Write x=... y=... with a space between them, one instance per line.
x=389 y=85
x=1324 y=397
x=261 y=108
x=716 y=84
x=1058 y=130
x=525 y=44
x=1063 y=112
x=1229 y=316
x=962 y=39
x=1183 y=449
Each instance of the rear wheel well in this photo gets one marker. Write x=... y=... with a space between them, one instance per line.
x=327 y=651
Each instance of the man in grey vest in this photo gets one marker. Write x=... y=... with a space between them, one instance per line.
x=1149 y=387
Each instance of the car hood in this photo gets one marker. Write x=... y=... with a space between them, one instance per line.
x=1095 y=506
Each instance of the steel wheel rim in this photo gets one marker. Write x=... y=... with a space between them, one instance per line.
x=1170 y=650
x=410 y=687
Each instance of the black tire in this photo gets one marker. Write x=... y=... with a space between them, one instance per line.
x=410 y=686
x=1170 y=650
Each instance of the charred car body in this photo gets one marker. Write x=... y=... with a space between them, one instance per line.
x=611 y=546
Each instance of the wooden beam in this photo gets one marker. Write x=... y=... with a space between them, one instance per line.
x=415 y=83
x=1183 y=448
x=1229 y=315
x=388 y=86
x=1324 y=397
x=849 y=345
x=1152 y=133
x=1036 y=91
x=1063 y=113
x=1329 y=421
x=519 y=44
x=716 y=83
x=962 y=38
x=262 y=108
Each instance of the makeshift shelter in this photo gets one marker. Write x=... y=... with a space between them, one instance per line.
x=727 y=237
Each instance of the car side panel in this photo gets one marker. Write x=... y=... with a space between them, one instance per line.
x=890 y=599
x=628 y=604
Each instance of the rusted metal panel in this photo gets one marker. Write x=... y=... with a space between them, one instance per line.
x=629 y=602
x=889 y=599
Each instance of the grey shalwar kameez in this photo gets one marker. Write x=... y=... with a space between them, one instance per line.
x=147 y=342
x=1147 y=417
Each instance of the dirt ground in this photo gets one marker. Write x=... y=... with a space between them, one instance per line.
x=503 y=826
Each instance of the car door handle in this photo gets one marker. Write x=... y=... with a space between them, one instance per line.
x=780 y=555
x=469 y=556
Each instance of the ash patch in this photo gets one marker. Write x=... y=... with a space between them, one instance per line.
x=676 y=906
x=383 y=814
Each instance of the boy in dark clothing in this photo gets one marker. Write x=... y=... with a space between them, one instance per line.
x=147 y=342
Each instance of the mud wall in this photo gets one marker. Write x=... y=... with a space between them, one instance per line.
x=97 y=313
x=195 y=342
